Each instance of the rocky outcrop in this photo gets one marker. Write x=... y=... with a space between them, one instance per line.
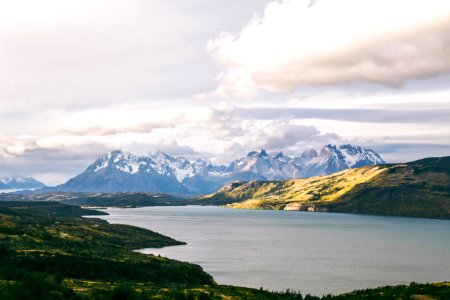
x=305 y=207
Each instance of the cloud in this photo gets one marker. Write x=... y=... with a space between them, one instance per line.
x=288 y=135
x=332 y=42
x=359 y=115
x=173 y=148
x=282 y=135
x=52 y=164
x=84 y=53
x=145 y=127
x=397 y=152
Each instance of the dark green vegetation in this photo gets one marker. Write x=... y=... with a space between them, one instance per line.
x=48 y=251
x=37 y=286
x=100 y=199
x=53 y=240
x=416 y=189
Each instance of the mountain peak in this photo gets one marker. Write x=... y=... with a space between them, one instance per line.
x=330 y=147
x=117 y=159
x=16 y=178
x=252 y=154
x=328 y=150
x=19 y=182
x=116 y=152
x=279 y=155
x=309 y=154
x=161 y=154
x=349 y=146
x=263 y=153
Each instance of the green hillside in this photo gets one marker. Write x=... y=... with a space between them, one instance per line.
x=418 y=189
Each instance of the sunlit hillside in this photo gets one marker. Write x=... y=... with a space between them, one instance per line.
x=418 y=188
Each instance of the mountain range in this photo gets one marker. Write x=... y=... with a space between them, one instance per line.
x=17 y=182
x=119 y=171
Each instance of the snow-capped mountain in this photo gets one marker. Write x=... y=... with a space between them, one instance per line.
x=120 y=171
x=333 y=159
x=269 y=166
x=19 y=183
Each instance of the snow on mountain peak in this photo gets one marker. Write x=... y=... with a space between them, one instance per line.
x=123 y=161
x=15 y=178
x=19 y=182
x=355 y=156
x=203 y=176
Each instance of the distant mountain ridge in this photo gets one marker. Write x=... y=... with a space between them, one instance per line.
x=19 y=182
x=119 y=171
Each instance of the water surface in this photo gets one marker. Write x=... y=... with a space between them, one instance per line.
x=316 y=253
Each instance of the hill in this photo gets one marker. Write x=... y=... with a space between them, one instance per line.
x=129 y=199
x=416 y=189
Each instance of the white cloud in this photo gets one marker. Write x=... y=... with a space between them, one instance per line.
x=284 y=135
x=64 y=53
x=294 y=44
x=16 y=146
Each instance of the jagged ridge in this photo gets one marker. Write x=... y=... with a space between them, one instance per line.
x=120 y=171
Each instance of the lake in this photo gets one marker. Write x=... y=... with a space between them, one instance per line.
x=317 y=253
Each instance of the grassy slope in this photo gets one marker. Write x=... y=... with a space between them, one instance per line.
x=417 y=189
x=420 y=189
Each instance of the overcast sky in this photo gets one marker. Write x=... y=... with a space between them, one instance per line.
x=216 y=79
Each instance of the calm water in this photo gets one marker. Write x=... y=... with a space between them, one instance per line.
x=316 y=253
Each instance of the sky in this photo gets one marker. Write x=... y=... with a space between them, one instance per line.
x=216 y=79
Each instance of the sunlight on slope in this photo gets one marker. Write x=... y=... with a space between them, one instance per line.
x=302 y=191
